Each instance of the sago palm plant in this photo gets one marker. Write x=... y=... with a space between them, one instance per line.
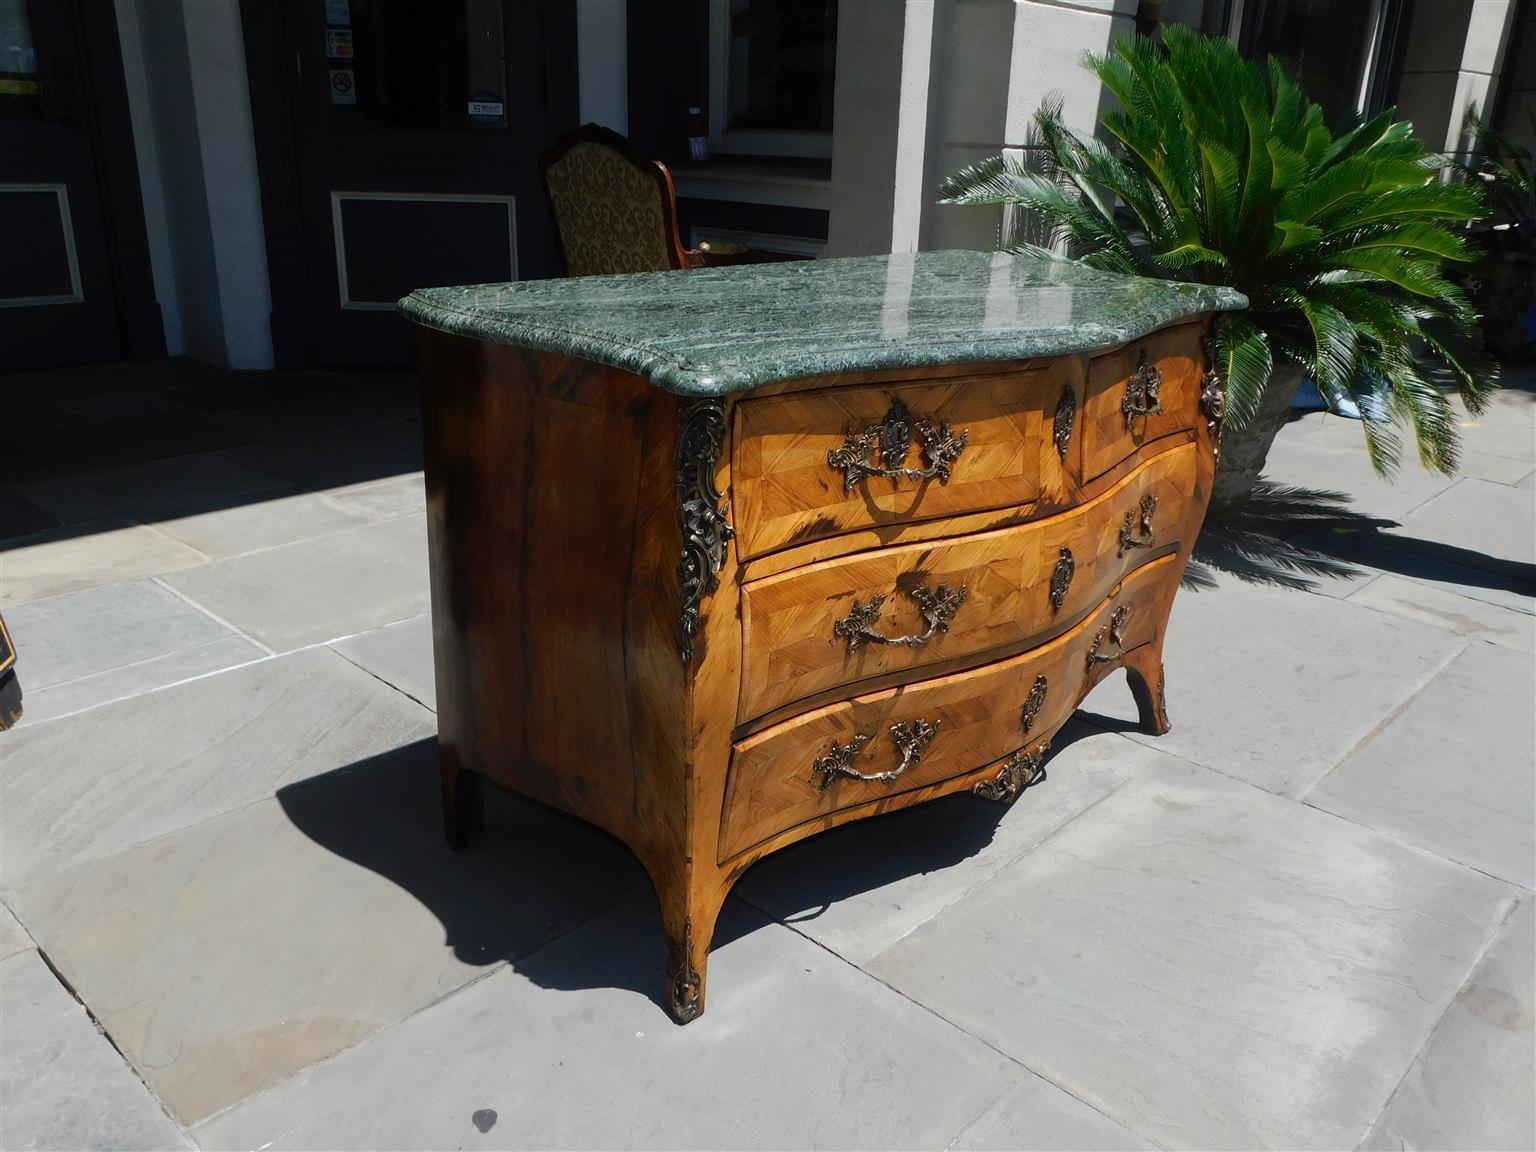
x=1227 y=174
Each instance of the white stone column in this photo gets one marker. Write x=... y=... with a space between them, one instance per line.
x=925 y=88
x=189 y=102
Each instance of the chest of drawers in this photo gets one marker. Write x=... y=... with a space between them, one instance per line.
x=725 y=558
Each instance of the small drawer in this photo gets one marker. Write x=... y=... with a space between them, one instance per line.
x=815 y=464
x=923 y=734
x=837 y=622
x=1143 y=392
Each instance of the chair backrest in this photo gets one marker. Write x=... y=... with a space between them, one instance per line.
x=615 y=210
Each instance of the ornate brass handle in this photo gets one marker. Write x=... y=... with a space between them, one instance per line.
x=1128 y=538
x=1022 y=770
x=911 y=738
x=1141 y=392
x=1036 y=701
x=1114 y=632
x=891 y=441
x=1066 y=416
x=938 y=606
x=1061 y=579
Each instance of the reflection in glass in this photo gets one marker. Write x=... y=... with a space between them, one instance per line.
x=782 y=55
x=20 y=93
x=438 y=65
x=1323 y=43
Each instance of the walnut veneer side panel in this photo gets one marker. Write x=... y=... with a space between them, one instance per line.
x=553 y=548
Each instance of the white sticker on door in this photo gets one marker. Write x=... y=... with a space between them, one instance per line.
x=343 y=86
x=338 y=43
x=338 y=12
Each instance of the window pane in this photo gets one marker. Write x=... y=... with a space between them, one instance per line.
x=1323 y=43
x=20 y=94
x=781 y=62
x=407 y=64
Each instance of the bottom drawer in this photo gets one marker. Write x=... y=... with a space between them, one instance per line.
x=922 y=734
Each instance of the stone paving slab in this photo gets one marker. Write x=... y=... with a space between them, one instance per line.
x=1464 y=615
x=316 y=590
x=859 y=889
x=225 y=957
x=153 y=490
x=173 y=758
x=1376 y=552
x=331 y=461
x=84 y=556
x=385 y=499
x=84 y=633
x=1474 y=1084
x=568 y=1050
x=20 y=517
x=1312 y=465
x=234 y=531
x=1453 y=772
x=1274 y=686
x=1208 y=964
x=132 y=680
x=1476 y=523
x=62 y=1085
x=1037 y=1116
x=399 y=654
x=13 y=937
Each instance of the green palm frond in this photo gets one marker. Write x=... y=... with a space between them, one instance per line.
x=1219 y=170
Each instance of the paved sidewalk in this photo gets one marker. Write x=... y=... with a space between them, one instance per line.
x=1303 y=919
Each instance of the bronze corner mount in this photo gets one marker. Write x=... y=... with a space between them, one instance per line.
x=701 y=512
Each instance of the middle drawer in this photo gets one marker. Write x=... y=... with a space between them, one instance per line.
x=842 y=621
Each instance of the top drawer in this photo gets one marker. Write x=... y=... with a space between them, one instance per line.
x=815 y=464
x=1144 y=391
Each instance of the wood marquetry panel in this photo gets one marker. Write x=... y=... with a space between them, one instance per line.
x=799 y=627
x=1110 y=432
x=785 y=491
x=980 y=717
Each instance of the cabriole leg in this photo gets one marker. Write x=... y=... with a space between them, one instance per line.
x=1144 y=673
x=689 y=921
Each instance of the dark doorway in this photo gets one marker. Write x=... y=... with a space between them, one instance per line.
x=414 y=144
x=75 y=286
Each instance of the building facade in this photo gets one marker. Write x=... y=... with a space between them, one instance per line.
x=255 y=183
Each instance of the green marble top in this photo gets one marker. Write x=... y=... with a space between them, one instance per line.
x=709 y=331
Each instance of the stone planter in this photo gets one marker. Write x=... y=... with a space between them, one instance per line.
x=1244 y=450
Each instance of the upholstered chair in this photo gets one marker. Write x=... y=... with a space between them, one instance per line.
x=615 y=210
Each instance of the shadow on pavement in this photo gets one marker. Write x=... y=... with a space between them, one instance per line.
x=1291 y=536
x=212 y=438
x=533 y=875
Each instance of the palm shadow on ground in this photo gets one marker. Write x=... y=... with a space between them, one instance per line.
x=1291 y=536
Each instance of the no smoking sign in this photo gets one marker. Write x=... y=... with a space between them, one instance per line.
x=343 y=86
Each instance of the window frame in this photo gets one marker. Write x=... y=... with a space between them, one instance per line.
x=782 y=143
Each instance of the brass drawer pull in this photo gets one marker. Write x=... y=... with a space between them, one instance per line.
x=938 y=606
x=1066 y=416
x=911 y=738
x=1128 y=538
x=891 y=441
x=1061 y=579
x=1114 y=631
x=1022 y=770
x=1036 y=701
x=1141 y=392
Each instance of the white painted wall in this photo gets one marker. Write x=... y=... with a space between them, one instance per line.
x=602 y=63
x=189 y=103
